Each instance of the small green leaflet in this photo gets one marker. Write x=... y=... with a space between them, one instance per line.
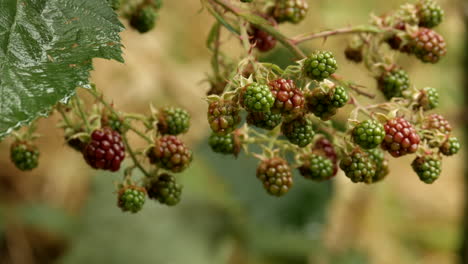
x=46 y=51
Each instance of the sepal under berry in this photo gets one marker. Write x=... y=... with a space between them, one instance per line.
x=298 y=131
x=368 y=134
x=131 y=198
x=170 y=153
x=427 y=167
x=276 y=176
x=165 y=189
x=24 y=155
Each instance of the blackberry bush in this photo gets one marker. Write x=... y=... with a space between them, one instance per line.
x=164 y=189
x=298 y=131
x=105 y=150
x=320 y=65
x=368 y=134
x=24 y=155
x=276 y=176
x=427 y=167
x=173 y=121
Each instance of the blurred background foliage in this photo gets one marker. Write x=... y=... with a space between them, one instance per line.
x=66 y=212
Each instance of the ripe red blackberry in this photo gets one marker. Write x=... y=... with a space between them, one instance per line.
x=400 y=137
x=450 y=147
x=298 y=131
x=427 y=167
x=24 y=155
x=223 y=116
x=430 y=13
x=437 y=123
x=381 y=164
x=358 y=166
x=293 y=11
x=170 y=153
x=173 y=121
x=324 y=147
x=393 y=82
x=316 y=167
x=105 y=150
x=428 y=46
x=263 y=41
x=131 y=198
x=267 y=120
x=320 y=65
x=288 y=98
x=368 y=134
x=164 y=189
x=275 y=175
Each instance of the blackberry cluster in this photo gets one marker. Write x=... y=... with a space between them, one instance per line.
x=377 y=156
x=358 y=166
x=293 y=11
x=256 y=97
x=324 y=147
x=25 y=156
x=275 y=175
x=131 y=198
x=224 y=144
x=298 y=131
x=320 y=65
x=223 y=116
x=316 y=167
x=400 y=137
x=393 y=83
x=368 y=134
x=105 y=150
x=430 y=13
x=170 y=153
x=173 y=121
x=450 y=147
x=428 y=46
x=427 y=167
x=164 y=189
x=266 y=120
x=428 y=98
x=288 y=98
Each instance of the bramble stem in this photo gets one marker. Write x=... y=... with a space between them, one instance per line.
x=77 y=102
x=133 y=156
x=346 y=30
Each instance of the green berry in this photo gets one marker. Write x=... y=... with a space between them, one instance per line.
x=340 y=97
x=320 y=65
x=393 y=83
x=224 y=144
x=430 y=13
x=298 y=131
x=368 y=134
x=165 y=189
x=319 y=102
x=266 y=120
x=358 y=166
x=24 y=155
x=428 y=98
x=223 y=116
x=144 y=19
x=381 y=164
x=316 y=167
x=428 y=168
x=131 y=199
x=275 y=175
x=173 y=121
x=450 y=147
x=293 y=11
x=256 y=97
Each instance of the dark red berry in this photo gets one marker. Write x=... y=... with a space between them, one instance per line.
x=428 y=45
x=105 y=150
x=170 y=153
x=288 y=98
x=400 y=137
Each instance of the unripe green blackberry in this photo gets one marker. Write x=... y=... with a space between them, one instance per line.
x=131 y=198
x=450 y=147
x=293 y=11
x=224 y=144
x=358 y=166
x=354 y=54
x=298 y=131
x=326 y=148
x=115 y=123
x=394 y=82
x=288 y=98
x=368 y=134
x=25 y=156
x=381 y=164
x=165 y=189
x=428 y=46
x=430 y=13
x=144 y=19
x=223 y=116
x=427 y=167
x=170 y=153
x=319 y=102
x=256 y=97
x=320 y=65
x=275 y=175
x=340 y=97
x=173 y=121
x=428 y=98
x=316 y=167
x=267 y=120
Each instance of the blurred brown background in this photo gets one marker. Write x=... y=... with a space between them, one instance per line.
x=66 y=212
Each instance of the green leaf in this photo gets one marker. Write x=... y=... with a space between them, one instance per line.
x=46 y=51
